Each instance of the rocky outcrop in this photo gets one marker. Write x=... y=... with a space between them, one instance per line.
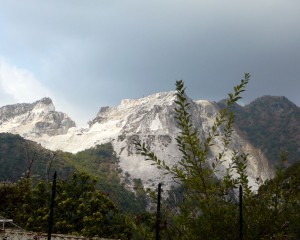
x=35 y=119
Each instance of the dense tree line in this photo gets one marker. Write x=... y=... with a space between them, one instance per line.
x=80 y=208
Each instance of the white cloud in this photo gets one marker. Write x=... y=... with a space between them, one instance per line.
x=19 y=85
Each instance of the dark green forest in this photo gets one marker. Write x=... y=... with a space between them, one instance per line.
x=271 y=124
x=20 y=158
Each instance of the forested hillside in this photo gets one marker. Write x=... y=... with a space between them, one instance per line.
x=20 y=158
x=24 y=158
x=271 y=124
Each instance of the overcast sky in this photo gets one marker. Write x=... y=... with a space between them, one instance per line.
x=87 y=54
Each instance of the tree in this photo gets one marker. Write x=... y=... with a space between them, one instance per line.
x=274 y=211
x=203 y=191
x=210 y=207
x=12 y=197
x=80 y=208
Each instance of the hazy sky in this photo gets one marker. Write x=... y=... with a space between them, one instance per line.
x=88 y=54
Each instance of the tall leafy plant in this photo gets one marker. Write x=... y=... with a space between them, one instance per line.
x=209 y=210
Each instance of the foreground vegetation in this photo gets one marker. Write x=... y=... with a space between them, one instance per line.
x=80 y=208
x=92 y=201
x=210 y=206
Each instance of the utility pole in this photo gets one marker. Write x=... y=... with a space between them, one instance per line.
x=50 y=223
x=158 y=212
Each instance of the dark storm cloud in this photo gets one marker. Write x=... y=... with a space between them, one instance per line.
x=93 y=53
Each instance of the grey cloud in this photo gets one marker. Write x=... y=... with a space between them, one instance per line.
x=94 y=53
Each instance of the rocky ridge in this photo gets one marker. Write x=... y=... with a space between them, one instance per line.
x=35 y=119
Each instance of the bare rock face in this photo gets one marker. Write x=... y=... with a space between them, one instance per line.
x=150 y=119
x=35 y=119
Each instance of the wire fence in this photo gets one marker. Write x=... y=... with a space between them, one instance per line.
x=15 y=234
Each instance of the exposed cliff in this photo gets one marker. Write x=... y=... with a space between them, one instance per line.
x=35 y=119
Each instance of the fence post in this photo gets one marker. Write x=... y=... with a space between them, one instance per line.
x=50 y=223
x=241 y=211
x=158 y=212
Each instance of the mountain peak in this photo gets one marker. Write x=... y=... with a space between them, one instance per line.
x=43 y=105
x=128 y=108
x=271 y=123
x=45 y=100
x=33 y=119
x=153 y=99
x=273 y=102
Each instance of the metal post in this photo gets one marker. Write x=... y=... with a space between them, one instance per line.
x=158 y=212
x=50 y=224
x=241 y=211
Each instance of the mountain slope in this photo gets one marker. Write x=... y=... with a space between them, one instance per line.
x=271 y=124
x=24 y=158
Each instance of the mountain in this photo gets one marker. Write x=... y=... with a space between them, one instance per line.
x=271 y=124
x=35 y=119
x=150 y=119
